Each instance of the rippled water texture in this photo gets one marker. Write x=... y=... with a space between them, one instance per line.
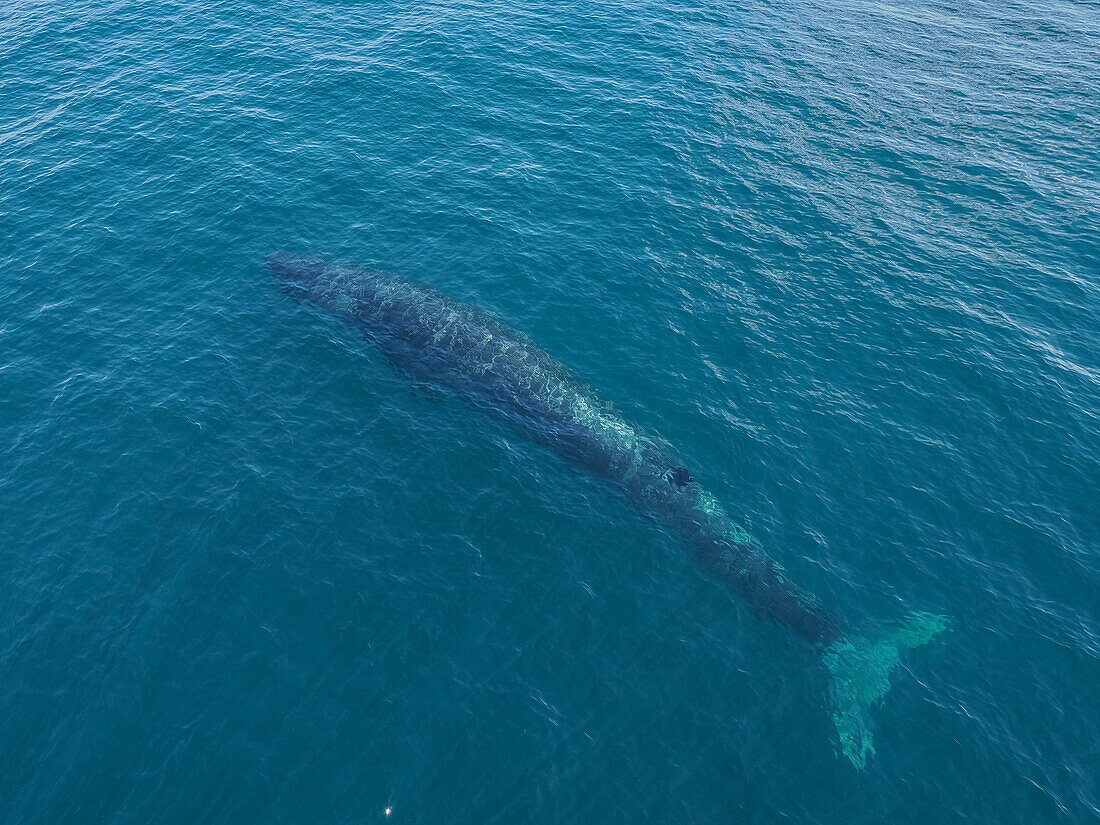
x=842 y=256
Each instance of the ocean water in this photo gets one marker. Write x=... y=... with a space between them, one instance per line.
x=843 y=256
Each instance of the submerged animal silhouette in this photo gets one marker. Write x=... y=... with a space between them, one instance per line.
x=458 y=346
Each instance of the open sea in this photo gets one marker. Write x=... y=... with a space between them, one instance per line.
x=843 y=255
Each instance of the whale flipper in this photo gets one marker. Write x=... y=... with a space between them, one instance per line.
x=861 y=670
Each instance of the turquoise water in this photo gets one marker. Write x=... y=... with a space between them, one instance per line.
x=842 y=256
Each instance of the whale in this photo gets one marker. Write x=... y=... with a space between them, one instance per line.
x=461 y=348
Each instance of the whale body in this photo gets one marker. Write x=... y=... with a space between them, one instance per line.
x=458 y=346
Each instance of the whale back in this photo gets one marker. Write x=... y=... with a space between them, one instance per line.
x=459 y=347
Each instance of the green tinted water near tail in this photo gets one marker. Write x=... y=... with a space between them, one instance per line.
x=861 y=671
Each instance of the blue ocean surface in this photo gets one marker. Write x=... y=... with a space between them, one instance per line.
x=843 y=256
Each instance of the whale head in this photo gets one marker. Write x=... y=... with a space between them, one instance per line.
x=344 y=292
x=299 y=276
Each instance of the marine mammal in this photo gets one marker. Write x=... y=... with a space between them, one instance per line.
x=462 y=348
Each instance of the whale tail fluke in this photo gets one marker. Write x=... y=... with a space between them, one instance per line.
x=861 y=670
